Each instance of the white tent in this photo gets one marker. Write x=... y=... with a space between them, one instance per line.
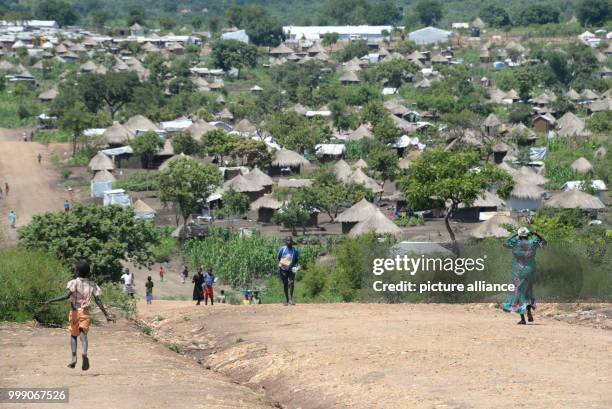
x=101 y=182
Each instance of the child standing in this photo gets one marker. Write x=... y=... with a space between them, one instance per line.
x=209 y=281
x=222 y=298
x=80 y=292
x=149 y=286
x=162 y=272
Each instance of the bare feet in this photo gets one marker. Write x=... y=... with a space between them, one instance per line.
x=85 y=365
x=529 y=316
x=522 y=322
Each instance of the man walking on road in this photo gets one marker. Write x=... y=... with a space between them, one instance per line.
x=287 y=257
x=6 y=188
x=12 y=219
x=39 y=158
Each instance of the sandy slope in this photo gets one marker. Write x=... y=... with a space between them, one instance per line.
x=395 y=356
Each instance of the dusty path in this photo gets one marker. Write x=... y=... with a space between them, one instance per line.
x=33 y=187
x=395 y=356
x=128 y=371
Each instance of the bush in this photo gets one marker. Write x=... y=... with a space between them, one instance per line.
x=114 y=297
x=165 y=247
x=137 y=182
x=28 y=278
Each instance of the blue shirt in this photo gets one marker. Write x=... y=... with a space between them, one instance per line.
x=291 y=252
x=209 y=280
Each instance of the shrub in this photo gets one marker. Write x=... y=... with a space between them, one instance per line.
x=165 y=247
x=28 y=278
x=137 y=182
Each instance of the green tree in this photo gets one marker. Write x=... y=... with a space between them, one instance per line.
x=255 y=153
x=146 y=145
x=136 y=15
x=292 y=215
x=374 y=112
x=227 y=54
x=187 y=183
x=235 y=203
x=451 y=178
x=593 y=12
x=383 y=161
x=112 y=90
x=103 y=235
x=495 y=16
x=58 y=10
x=182 y=142
x=75 y=120
x=261 y=27
x=385 y=131
x=166 y=22
x=538 y=13
x=330 y=38
x=355 y=49
x=217 y=142
x=429 y=12
x=383 y=13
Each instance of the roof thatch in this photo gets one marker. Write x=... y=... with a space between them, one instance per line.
x=245 y=126
x=295 y=183
x=570 y=125
x=360 y=178
x=243 y=185
x=527 y=191
x=280 y=50
x=377 y=223
x=199 y=128
x=266 y=202
x=103 y=176
x=285 y=157
x=572 y=95
x=140 y=123
x=256 y=176
x=349 y=76
x=49 y=95
x=528 y=176
x=342 y=170
x=101 y=162
x=589 y=94
x=581 y=165
x=493 y=227
x=117 y=134
x=89 y=66
x=573 y=199
x=360 y=211
x=167 y=162
x=360 y=164
x=500 y=147
x=225 y=114
x=141 y=207
x=363 y=131
x=600 y=153
x=488 y=199
x=492 y=121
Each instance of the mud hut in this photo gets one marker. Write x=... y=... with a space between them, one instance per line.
x=101 y=162
x=360 y=164
x=140 y=124
x=361 y=178
x=575 y=199
x=525 y=196
x=342 y=170
x=491 y=125
x=359 y=212
x=101 y=182
x=143 y=211
x=265 y=207
x=582 y=166
x=288 y=161
x=376 y=223
x=166 y=164
x=494 y=227
x=242 y=185
x=199 y=128
x=117 y=134
x=363 y=131
x=500 y=149
x=257 y=177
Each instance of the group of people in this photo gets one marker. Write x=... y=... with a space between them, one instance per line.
x=203 y=286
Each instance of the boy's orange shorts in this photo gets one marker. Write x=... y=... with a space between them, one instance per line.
x=79 y=321
x=208 y=292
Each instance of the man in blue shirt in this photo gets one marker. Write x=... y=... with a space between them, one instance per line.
x=288 y=257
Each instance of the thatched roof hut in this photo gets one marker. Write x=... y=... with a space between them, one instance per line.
x=285 y=157
x=581 y=165
x=360 y=178
x=256 y=176
x=342 y=170
x=360 y=164
x=527 y=191
x=570 y=125
x=225 y=115
x=493 y=227
x=117 y=134
x=242 y=185
x=245 y=126
x=143 y=210
x=600 y=153
x=377 y=223
x=363 y=131
x=103 y=176
x=360 y=211
x=500 y=147
x=166 y=164
x=488 y=199
x=199 y=128
x=49 y=95
x=349 y=77
x=140 y=123
x=526 y=175
x=573 y=199
x=572 y=95
x=266 y=202
x=100 y=162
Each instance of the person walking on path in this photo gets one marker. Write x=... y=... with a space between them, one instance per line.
x=6 y=188
x=162 y=272
x=198 y=284
x=288 y=257
x=128 y=282
x=80 y=291
x=523 y=245
x=184 y=273
x=149 y=290
x=39 y=157
x=12 y=219
x=66 y=205
x=209 y=282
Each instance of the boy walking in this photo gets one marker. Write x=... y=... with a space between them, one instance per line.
x=149 y=286
x=209 y=281
x=80 y=292
x=288 y=257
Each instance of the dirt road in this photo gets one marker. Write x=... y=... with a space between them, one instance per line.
x=128 y=371
x=394 y=356
x=34 y=187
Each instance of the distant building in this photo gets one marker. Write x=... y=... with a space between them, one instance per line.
x=136 y=30
x=430 y=35
x=34 y=24
x=371 y=34
x=239 y=35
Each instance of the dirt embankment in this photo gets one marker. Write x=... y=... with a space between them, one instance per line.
x=393 y=356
